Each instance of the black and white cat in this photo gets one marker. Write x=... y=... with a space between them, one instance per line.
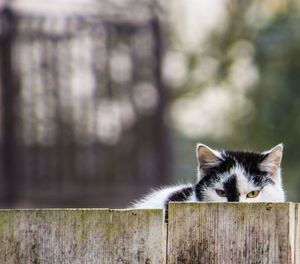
x=226 y=176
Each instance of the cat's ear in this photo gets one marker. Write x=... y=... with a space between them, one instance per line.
x=271 y=163
x=207 y=158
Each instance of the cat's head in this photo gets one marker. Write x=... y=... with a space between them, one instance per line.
x=238 y=176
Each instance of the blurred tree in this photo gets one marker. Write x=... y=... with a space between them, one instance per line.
x=257 y=54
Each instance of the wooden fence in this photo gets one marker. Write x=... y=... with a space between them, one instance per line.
x=196 y=233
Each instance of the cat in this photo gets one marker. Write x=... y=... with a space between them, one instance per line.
x=226 y=176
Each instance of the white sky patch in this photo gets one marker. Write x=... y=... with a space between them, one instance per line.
x=108 y=124
x=243 y=72
x=197 y=19
x=145 y=97
x=204 y=114
x=121 y=64
x=211 y=111
x=174 y=68
x=52 y=6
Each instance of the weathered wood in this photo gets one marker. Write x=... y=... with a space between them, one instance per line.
x=197 y=233
x=82 y=236
x=232 y=233
x=297 y=234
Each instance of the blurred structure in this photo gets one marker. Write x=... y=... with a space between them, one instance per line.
x=82 y=105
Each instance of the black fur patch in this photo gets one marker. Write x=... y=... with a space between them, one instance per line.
x=249 y=160
x=200 y=188
x=178 y=196
x=231 y=190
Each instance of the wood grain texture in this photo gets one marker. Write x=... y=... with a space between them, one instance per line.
x=231 y=233
x=297 y=234
x=82 y=236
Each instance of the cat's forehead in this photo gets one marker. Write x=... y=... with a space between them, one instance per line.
x=244 y=174
x=236 y=172
x=243 y=156
x=248 y=161
x=236 y=179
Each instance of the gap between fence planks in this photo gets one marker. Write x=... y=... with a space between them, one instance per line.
x=297 y=234
x=196 y=233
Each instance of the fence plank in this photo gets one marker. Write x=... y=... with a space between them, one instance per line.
x=297 y=234
x=82 y=236
x=231 y=233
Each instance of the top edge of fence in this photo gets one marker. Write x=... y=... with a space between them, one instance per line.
x=233 y=203
x=227 y=204
x=78 y=209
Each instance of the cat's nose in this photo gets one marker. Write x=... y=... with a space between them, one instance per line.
x=234 y=199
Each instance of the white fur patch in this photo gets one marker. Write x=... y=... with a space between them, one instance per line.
x=157 y=198
x=244 y=186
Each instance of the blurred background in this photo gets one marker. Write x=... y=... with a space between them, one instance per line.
x=102 y=100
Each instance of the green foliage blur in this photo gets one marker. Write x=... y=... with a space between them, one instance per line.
x=270 y=31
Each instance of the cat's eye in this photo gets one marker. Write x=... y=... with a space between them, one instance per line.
x=221 y=193
x=252 y=194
